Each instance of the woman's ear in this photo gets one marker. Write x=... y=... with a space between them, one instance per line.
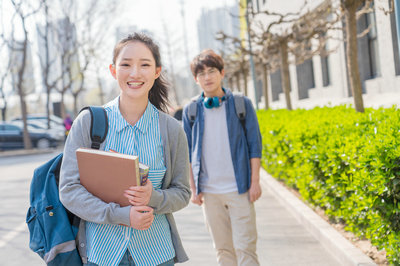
x=158 y=72
x=112 y=70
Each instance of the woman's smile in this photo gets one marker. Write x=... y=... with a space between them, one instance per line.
x=135 y=84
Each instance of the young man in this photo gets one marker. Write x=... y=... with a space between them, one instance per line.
x=225 y=161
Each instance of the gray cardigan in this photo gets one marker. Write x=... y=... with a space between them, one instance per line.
x=173 y=196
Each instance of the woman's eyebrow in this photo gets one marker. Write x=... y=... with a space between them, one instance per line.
x=130 y=59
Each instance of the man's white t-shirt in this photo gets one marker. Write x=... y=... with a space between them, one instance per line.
x=217 y=174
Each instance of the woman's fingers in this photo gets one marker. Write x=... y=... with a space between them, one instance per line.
x=141 y=217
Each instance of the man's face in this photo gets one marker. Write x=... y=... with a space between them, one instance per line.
x=209 y=79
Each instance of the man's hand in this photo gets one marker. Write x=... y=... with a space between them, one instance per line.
x=254 y=191
x=197 y=199
x=139 y=195
x=141 y=217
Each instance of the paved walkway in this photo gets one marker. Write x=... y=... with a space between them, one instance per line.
x=289 y=233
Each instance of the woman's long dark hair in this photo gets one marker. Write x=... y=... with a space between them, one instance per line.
x=158 y=94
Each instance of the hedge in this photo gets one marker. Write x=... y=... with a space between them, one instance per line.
x=345 y=162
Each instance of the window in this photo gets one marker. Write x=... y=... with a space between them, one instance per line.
x=276 y=85
x=375 y=70
x=305 y=78
x=325 y=66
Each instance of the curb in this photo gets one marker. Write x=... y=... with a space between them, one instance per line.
x=20 y=152
x=331 y=239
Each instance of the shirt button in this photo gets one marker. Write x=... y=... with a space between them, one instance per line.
x=82 y=245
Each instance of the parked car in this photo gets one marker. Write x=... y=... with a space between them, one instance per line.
x=55 y=130
x=43 y=117
x=11 y=137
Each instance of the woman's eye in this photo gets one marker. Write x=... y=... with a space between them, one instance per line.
x=145 y=65
x=124 y=65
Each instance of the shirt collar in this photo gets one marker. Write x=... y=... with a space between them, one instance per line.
x=142 y=124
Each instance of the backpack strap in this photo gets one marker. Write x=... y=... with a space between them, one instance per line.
x=192 y=111
x=98 y=125
x=240 y=109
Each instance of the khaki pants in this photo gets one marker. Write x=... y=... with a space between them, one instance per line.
x=231 y=220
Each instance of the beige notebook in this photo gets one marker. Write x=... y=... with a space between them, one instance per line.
x=108 y=174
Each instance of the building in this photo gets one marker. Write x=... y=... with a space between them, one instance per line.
x=213 y=21
x=57 y=51
x=323 y=80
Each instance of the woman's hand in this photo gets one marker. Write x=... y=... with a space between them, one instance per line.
x=139 y=195
x=141 y=217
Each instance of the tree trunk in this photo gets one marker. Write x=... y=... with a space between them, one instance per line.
x=351 y=53
x=237 y=78
x=26 y=137
x=48 y=107
x=230 y=83
x=3 y=113
x=285 y=75
x=265 y=87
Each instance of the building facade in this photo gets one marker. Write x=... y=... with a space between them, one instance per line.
x=323 y=80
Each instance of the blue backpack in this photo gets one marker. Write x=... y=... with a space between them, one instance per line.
x=52 y=228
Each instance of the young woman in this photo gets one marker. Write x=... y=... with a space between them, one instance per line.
x=144 y=233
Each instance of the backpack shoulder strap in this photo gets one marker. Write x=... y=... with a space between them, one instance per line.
x=192 y=110
x=240 y=108
x=98 y=125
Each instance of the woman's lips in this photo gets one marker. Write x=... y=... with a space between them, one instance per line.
x=135 y=84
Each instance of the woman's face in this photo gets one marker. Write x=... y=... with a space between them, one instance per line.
x=135 y=70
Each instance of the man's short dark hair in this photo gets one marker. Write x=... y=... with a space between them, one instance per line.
x=207 y=58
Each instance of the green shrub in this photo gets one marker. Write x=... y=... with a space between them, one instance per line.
x=347 y=163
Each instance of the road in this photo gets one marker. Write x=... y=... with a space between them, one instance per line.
x=15 y=177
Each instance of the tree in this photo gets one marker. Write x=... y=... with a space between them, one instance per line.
x=3 y=76
x=48 y=62
x=87 y=20
x=291 y=33
x=23 y=10
x=349 y=9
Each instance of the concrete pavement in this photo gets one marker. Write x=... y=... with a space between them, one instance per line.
x=289 y=233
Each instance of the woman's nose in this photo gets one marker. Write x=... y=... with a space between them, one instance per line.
x=134 y=71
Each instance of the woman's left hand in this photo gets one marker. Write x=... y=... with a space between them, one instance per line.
x=139 y=195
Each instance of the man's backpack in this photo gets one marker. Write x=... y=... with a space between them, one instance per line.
x=240 y=109
x=52 y=228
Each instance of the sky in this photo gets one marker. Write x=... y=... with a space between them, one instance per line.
x=151 y=14
x=161 y=17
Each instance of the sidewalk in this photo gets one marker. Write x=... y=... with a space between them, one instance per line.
x=289 y=233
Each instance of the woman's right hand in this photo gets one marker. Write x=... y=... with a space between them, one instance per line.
x=197 y=199
x=141 y=217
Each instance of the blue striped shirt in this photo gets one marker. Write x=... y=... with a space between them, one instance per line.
x=107 y=243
